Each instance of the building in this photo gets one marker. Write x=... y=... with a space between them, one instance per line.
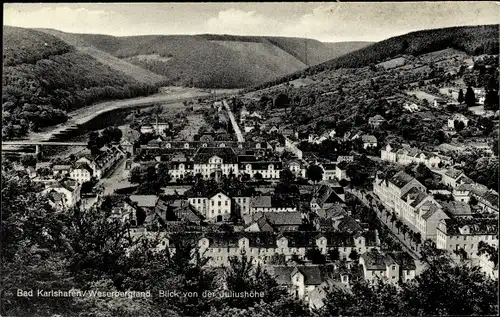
x=466 y=233
x=82 y=173
x=457 y=117
x=376 y=121
x=61 y=169
x=266 y=204
x=487 y=199
x=408 y=198
x=453 y=177
x=407 y=155
x=267 y=169
x=215 y=206
x=218 y=247
x=438 y=103
x=216 y=160
x=63 y=194
x=297 y=168
x=299 y=281
x=274 y=221
x=369 y=141
x=393 y=267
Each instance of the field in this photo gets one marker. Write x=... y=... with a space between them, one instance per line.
x=422 y=95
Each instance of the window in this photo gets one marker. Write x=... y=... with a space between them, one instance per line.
x=212 y=202
x=219 y=203
x=226 y=202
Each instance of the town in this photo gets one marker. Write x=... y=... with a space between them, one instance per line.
x=251 y=175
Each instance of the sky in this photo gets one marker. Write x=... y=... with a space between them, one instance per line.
x=324 y=21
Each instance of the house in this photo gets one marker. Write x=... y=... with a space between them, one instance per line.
x=438 y=102
x=147 y=129
x=392 y=267
x=325 y=197
x=411 y=107
x=215 y=207
x=456 y=209
x=63 y=194
x=297 y=168
x=275 y=221
x=466 y=233
x=269 y=169
x=376 y=121
x=82 y=173
x=407 y=155
x=299 y=281
x=453 y=177
x=457 y=117
x=218 y=247
x=271 y=204
x=61 y=169
x=369 y=141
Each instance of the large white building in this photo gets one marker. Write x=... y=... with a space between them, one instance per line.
x=409 y=199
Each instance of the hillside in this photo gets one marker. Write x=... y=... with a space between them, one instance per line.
x=136 y=72
x=342 y=48
x=222 y=61
x=44 y=77
x=474 y=40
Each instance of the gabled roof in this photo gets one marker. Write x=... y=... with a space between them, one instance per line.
x=377 y=260
x=403 y=259
x=376 y=118
x=284 y=274
x=368 y=138
x=85 y=166
x=453 y=173
x=400 y=179
x=415 y=195
x=205 y=153
x=456 y=208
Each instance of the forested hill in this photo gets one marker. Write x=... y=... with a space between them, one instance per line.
x=215 y=61
x=474 y=40
x=44 y=77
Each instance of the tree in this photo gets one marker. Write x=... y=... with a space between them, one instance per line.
x=315 y=256
x=354 y=256
x=281 y=101
x=111 y=135
x=287 y=177
x=334 y=254
x=95 y=142
x=258 y=176
x=399 y=224
x=460 y=96
x=459 y=125
x=470 y=97
x=315 y=174
x=491 y=100
x=393 y=218
x=28 y=160
x=404 y=229
x=135 y=176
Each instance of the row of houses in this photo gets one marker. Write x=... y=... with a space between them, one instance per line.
x=407 y=155
x=218 y=247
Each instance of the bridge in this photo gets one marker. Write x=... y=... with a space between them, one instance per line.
x=38 y=144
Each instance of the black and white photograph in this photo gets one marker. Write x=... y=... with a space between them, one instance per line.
x=250 y=159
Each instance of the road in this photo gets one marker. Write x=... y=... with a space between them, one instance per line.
x=236 y=127
x=83 y=115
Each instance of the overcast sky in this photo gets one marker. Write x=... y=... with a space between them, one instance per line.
x=324 y=21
